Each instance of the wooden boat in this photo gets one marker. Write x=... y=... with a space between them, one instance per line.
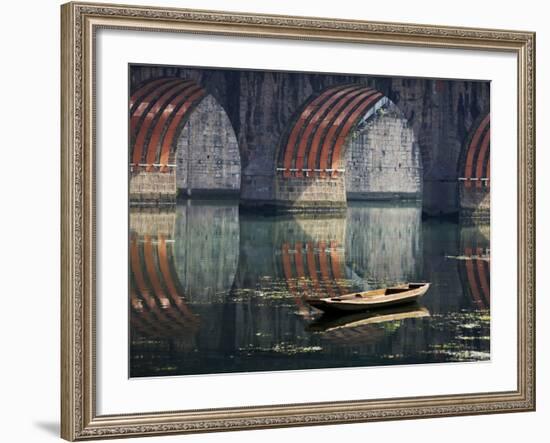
x=378 y=298
x=356 y=320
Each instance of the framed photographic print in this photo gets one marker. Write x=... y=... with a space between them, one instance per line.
x=280 y=221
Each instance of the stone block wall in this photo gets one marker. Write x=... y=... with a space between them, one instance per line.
x=384 y=243
x=152 y=187
x=383 y=159
x=311 y=193
x=207 y=159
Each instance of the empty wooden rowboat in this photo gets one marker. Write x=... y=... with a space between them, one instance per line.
x=378 y=298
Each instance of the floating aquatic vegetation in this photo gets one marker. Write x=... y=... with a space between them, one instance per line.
x=282 y=348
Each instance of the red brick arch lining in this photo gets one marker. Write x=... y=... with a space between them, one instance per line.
x=477 y=167
x=158 y=112
x=314 y=146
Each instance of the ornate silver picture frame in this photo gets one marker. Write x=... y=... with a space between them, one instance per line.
x=80 y=23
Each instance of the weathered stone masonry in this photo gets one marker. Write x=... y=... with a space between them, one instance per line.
x=262 y=106
x=208 y=158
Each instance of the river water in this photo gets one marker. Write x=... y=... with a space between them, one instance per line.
x=213 y=290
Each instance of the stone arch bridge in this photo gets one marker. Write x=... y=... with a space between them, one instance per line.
x=302 y=140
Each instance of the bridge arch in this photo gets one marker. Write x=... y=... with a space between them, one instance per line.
x=475 y=265
x=168 y=117
x=313 y=169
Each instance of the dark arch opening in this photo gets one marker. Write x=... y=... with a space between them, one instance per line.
x=312 y=166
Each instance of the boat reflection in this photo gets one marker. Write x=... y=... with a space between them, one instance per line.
x=356 y=321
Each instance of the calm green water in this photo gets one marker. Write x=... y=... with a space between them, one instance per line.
x=214 y=291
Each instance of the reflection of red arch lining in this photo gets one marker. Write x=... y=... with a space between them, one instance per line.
x=167 y=276
x=157 y=108
x=474 y=143
x=145 y=322
x=147 y=102
x=151 y=270
x=168 y=143
x=137 y=97
x=173 y=316
x=156 y=117
x=484 y=281
x=153 y=276
x=145 y=319
x=471 y=278
x=142 y=288
x=155 y=143
x=328 y=127
x=474 y=287
x=300 y=268
x=287 y=268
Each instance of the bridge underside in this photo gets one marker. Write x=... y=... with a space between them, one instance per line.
x=294 y=142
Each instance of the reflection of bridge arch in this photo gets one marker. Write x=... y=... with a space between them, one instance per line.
x=312 y=163
x=158 y=309
x=475 y=265
x=160 y=110
x=475 y=168
x=326 y=255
